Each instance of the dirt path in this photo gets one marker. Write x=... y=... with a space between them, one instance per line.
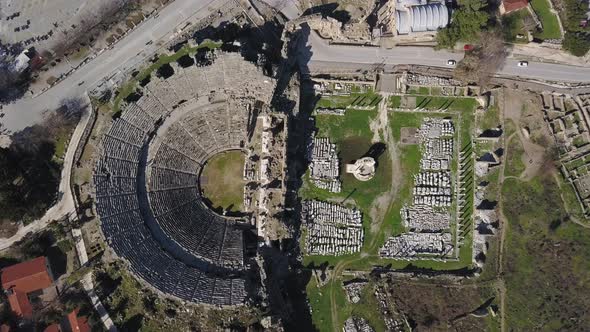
x=334 y=283
x=381 y=130
x=503 y=221
x=88 y=284
x=533 y=157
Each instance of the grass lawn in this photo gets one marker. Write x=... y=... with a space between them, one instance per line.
x=319 y=299
x=451 y=103
x=548 y=20
x=61 y=145
x=81 y=53
x=354 y=99
x=395 y=101
x=489 y=119
x=547 y=260
x=222 y=180
x=514 y=164
x=351 y=133
x=419 y=90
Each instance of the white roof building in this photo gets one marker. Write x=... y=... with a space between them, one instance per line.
x=418 y=16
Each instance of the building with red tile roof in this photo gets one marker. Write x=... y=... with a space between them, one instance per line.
x=508 y=6
x=20 y=279
x=71 y=323
x=78 y=324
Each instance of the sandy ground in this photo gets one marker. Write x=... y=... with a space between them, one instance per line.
x=524 y=109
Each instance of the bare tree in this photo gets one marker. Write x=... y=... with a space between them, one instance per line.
x=480 y=64
x=529 y=23
x=109 y=12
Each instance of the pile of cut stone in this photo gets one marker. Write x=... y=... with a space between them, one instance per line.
x=331 y=229
x=421 y=218
x=414 y=244
x=433 y=183
x=433 y=189
x=353 y=289
x=357 y=324
x=324 y=165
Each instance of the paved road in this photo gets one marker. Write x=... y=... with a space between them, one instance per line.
x=127 y=52
x=322 y=51
x=133 y=49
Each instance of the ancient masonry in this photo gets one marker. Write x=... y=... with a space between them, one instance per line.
x=428 y=218
x=151 y=211
x=264 y=170
x=324 y=165
x=363 y=169
x=331 y=229
x=569 y=122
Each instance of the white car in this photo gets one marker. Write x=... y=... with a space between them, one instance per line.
x=451 y=62
x=523 y=63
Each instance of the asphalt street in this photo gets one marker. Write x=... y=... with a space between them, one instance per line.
x=124 y=55
x=322 y=51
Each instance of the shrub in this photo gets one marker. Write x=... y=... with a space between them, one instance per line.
x=577 y=43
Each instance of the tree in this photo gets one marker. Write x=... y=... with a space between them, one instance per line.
x=484 y=60
x=577 y=43
x=29 y=173
x=466 y=23
x=575 y=11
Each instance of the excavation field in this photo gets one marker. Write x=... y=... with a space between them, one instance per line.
x=354 y=134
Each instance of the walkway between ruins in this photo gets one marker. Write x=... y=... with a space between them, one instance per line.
x=89 y=285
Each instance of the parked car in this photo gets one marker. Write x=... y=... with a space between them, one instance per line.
x=451 y=62
x=523 y=63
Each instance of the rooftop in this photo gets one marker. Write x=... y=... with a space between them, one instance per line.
x=23 y=278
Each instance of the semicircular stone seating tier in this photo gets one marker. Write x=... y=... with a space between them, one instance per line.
x=146 y=179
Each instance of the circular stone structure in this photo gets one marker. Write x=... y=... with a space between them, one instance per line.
x=146 y=179
x=363 y=169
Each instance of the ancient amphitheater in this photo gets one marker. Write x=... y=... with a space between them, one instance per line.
x=147 y=178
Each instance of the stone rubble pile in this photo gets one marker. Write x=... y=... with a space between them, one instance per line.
x=418 y=79
x=425 y=218
x=413 y=244
x=353 y=290
x=331 y=229
x=324 y=165
x=357 y=324
x=331 y=111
